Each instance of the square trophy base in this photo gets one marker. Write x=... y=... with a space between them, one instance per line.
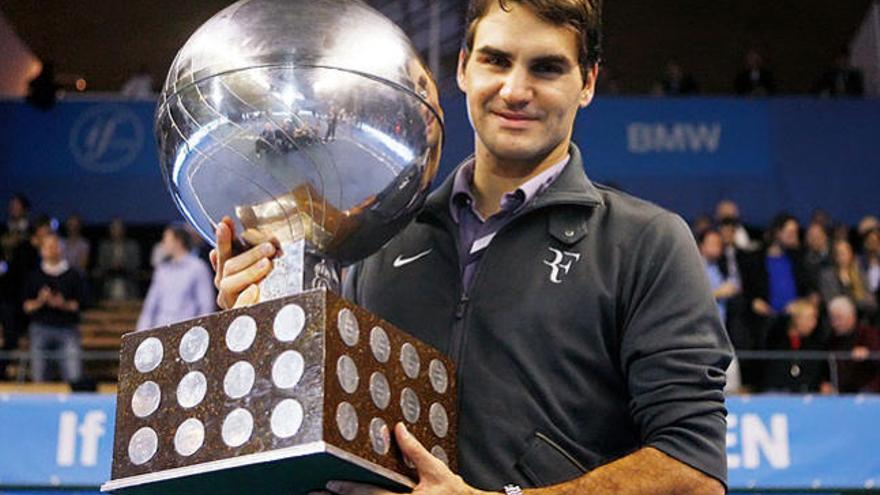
x=279 y=397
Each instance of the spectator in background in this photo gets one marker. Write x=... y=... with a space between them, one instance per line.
x=676 y=82
x=76 y=247
x=723 y=288
x=53 y=296
x=700 y=225
x=845 y=278
x=867 y=224
x=139 y=86
x=797 y=330
x=841 y=79
x=23 y=259
x=856 y=375
x=119 y=259
x=817 y=255
x=182 y=286
x=823 y=218
x=755 y=79
x=728 y=211
x=871 y=261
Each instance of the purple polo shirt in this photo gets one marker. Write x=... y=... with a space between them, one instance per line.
x=475 y=232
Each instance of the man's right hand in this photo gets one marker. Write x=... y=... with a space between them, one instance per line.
x=237 y=277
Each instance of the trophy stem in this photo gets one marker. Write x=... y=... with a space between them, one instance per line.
x=299 y=268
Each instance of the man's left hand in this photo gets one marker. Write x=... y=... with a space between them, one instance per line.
x=434 y=477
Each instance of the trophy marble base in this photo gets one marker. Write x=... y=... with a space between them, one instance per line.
x=279 y=397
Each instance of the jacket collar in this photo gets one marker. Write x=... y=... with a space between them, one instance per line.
x=572 y=187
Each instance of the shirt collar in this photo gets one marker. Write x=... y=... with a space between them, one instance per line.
x=462 y=195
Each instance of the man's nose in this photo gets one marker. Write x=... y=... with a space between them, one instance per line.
x=516 y=89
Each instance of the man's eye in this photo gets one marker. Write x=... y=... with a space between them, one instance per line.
x=495 y=60
x=549 y=69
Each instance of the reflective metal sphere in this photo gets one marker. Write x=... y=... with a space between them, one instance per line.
x=300 y=119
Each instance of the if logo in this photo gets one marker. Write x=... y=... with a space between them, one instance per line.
x=86 y=433
x=106 y=138
x=561 y=264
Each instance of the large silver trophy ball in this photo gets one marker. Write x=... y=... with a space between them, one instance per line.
x=312 y=123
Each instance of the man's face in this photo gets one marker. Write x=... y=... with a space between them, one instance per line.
x=805 y=321
x=50 y=249
x=788 y=235
x=171 y=245
x=816 y=238
x=711 y=247
x=843 y=321
x=523 y=84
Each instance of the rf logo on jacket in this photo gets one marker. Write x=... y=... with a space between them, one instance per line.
x=557 y=265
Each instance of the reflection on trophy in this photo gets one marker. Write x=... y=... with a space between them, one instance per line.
x=313 y=124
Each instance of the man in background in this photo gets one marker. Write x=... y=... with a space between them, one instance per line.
x=182 y=286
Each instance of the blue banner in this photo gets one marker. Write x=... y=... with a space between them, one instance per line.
x=56 y=440
x=773 y=442
x=98 y=158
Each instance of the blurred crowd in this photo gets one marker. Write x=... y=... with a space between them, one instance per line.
x=50 y=274
x=796 y=287
x=812 y=289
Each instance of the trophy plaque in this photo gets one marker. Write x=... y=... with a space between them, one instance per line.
x=314 y=125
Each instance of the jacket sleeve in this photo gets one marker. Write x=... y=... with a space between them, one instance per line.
x=674 y=350
x=349 y=283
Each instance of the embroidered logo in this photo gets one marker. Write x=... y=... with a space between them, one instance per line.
x=401 y=261
x=557 y=265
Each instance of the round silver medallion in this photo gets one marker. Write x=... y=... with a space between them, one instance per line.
x=191 y=389
x=409 y=358
x=148 y=355
x=145 y=399
x=439 y=420
x=287 y=417
x=347 y=373
x=438 y=452
x=190 y=437
x=380 y=436
x=380 y=345
x=241 y=333
x=380 y=390
x=194 y=344
x=239 y=380
x=143 y=446
x=347 y=421
x=438 y=375
x=289 y=323
x=349 y=329
x=288 y=369
x=237 y=428
x=409 y=404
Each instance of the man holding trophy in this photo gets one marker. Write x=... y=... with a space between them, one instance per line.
x=589 y=355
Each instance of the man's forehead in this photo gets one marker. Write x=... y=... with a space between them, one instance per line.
x=520 y=32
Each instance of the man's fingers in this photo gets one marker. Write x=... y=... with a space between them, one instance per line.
x=426 y=464
x=213 y=257
x=350 y=488
x=247 y=258
x=223 y=235
x=248 y=297
x=234 y=284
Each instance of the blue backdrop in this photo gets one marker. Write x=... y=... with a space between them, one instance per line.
x=772 y=441
x=797 y=154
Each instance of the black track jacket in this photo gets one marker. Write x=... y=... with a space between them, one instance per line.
x=590 y=331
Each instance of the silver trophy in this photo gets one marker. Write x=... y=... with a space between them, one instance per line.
x=313 y=124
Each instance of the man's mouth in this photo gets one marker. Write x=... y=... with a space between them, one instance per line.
x=514 y=119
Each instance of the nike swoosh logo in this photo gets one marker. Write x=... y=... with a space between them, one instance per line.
x=401 y=261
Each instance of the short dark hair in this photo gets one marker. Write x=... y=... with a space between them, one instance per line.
x=585 y=16
x=180 y=232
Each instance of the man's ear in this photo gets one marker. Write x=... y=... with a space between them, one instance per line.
x=589 y=89
x=459 y=72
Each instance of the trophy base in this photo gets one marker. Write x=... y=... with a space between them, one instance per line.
x=292 y=471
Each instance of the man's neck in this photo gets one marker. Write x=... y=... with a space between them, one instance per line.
x=493 y=177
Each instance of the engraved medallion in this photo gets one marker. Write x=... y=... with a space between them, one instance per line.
x=439 y=419
x=347 y=421
x=191 y=389
x=438 y=375
x=380 y=345
x=237 y=428
x=349 y=329
x=146 y=399
x=409 y=358
x=287 y=418
x=289 y=323
x=148 y=355
x=239 y=380
x=380 y=436
x=409 y=404
x=194 y=344
x=143 y=446
x=347 y=373
x=380 y=390
x=288 y=369
x=190 y=437
x=241 y=333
